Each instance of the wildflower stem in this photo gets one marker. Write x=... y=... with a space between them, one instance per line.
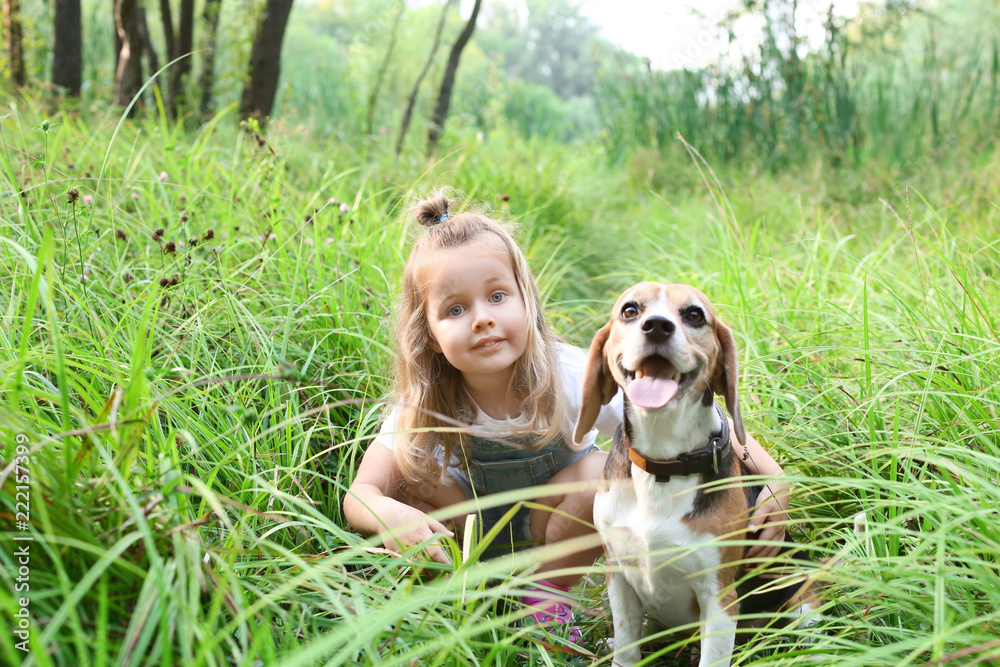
x=45 y=179
x=75 y=215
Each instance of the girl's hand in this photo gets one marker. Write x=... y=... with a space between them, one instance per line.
x=768 y=521
x=370 y=508
x=406 y=526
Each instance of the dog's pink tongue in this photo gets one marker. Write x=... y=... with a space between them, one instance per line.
x=651 y=392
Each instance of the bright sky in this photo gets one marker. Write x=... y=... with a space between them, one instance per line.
x=681 y=33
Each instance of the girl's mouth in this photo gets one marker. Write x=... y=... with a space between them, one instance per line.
x=488 y=344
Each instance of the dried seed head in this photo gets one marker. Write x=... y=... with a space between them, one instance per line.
x=176 y=279
x=505 y=198
x=209 y=235
x=184 y=217
x=171 y=247
x=164 y=282
x=120 y=234
x=193 y=242
x=158 y=233
x=72 y=196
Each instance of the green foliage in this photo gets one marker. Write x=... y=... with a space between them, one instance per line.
x=890 y=85
x=899 y=83
x=548 y=43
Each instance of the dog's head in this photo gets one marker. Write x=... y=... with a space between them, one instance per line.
x=663 y=346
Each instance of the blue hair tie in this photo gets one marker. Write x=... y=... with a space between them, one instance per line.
x=444 y=217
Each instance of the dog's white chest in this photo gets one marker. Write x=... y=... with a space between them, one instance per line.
x=664 y=561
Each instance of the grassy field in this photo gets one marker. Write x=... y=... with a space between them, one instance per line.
x=192 y=403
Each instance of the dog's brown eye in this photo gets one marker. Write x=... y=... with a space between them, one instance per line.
x=695 y=316
x=629 y=311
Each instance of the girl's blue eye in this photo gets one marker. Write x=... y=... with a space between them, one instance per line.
x=455 y=311
x=497 y=297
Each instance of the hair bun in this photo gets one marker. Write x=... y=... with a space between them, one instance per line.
x=433 y=210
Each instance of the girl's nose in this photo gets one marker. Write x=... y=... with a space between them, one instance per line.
x=483 y=318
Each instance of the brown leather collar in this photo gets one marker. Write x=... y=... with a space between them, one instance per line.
x=700 y=461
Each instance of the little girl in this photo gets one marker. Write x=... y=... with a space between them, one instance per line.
x=473 y=347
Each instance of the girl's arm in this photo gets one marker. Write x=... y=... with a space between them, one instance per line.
x=370 y=508
x=769 y=519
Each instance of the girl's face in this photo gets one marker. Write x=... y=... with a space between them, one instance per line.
x=476 y=313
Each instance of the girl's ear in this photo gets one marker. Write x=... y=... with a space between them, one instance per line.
x=433 y=343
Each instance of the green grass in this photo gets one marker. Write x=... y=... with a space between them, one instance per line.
x=190 y=443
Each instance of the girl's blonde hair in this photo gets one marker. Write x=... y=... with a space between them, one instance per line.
x=427 y=387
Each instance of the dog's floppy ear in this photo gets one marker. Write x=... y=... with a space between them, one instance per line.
x=599 y=386
x=724 y=382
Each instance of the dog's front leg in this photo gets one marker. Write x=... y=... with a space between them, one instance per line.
x=627 y=612
x=718 y=636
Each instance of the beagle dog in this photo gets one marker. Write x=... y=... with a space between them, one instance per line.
x=670 y=354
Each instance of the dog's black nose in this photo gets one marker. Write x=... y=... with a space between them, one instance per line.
x=657 y=329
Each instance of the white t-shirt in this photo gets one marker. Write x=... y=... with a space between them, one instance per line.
x=571 y=361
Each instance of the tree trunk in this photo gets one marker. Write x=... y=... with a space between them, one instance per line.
x=405 y=125
x=265 y=61
x=118 y=39
x=128 y=77
x=12 y=38
x=373 y=98
x=183 y=46
x=167 y=18
x=207 y=80
x=170 y=42
x=448 y=82
x=67 y=47
x=147 y=44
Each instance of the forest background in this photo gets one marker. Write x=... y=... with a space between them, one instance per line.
x=200 y=271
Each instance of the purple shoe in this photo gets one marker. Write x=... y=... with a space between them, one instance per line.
x=548 y=607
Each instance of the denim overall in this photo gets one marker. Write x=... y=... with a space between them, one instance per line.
x=495 y=467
